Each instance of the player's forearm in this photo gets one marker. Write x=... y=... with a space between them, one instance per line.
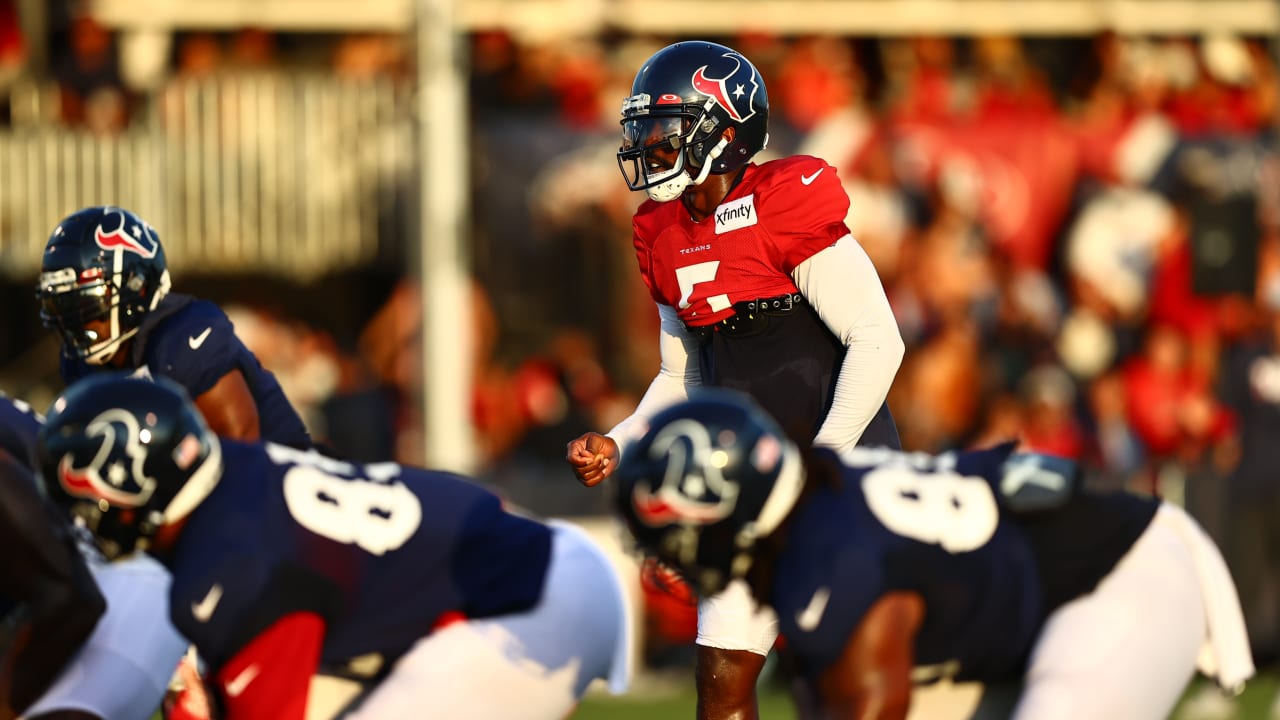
x=843 y=287
x=677 y=373
x=666 y=389
x=865 y=378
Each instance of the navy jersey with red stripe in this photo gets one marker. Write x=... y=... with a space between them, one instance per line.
x=937 y=526
x=193 y=343
x=380 y=552
x=780 y=214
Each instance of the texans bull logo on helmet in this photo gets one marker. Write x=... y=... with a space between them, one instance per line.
x=109 y=475
x=692 y=489
x=114 y=232
x=734 y=91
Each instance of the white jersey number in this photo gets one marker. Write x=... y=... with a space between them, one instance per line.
x=376 y=514
x=691 y=275
x=956 y=512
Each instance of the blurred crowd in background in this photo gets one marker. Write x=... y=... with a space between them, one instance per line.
x=1080 y=238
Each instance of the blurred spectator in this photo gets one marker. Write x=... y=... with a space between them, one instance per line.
x=1116 y=456
x=92 y=93
x=199 y=54
x=578 y=79
x=391 y=342
x=1050 y=424
x=926 y=82
x=1112 y=249
x=367 y=55
x=252 y=49
x=938 y=390
x=818 y=78
x=843 y=127
x=1251 y=388
x=1009 y=85
x=1174 y=300
x=1171 y=406
x=13 y=46
x=1220 y=98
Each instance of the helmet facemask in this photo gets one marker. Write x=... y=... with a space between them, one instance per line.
x=663 y=144
x=70 y=304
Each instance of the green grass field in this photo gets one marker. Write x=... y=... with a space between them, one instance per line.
x=676 y=700
x=671 y=697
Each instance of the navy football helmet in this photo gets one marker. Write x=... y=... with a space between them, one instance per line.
x=682 y=101
x=103 y=271
x=124 y=456
x=710 y=478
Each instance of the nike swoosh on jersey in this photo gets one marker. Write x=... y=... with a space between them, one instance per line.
x=203 y=610
x=236 y=685
x=808 y=618
x=808 y=179
x=195 y=341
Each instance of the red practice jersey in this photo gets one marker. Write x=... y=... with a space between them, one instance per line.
x=779 y=215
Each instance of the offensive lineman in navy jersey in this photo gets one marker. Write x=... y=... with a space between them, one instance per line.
x=287 y=564
x=759 y=286
x=104 y=287
x=985 y=565
x=69 y=663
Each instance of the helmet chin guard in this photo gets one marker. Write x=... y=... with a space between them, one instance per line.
x=671 y=189
x=675 y=187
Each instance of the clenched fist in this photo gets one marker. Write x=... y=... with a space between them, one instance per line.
x=593 y=457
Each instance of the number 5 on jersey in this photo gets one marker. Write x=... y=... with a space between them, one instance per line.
x=691 y=275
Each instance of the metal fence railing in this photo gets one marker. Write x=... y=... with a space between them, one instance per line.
x=281 y=173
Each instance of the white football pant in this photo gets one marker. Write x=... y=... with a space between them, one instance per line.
x=1127 y=650
x=733 y=620
x=124 y=668
x=534 y=665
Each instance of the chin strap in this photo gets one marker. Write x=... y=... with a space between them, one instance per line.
x=711 y=158
x=101 y=353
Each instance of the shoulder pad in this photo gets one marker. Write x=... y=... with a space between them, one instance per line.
x=1031 y=482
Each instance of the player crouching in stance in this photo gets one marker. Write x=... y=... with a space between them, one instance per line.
x=287 y=564
x=982 y=566
x=90 y=640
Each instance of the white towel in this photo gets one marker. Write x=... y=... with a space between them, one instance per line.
x=1225 y=655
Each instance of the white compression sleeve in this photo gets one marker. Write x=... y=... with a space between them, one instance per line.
x=842 y=285
x=678 y=372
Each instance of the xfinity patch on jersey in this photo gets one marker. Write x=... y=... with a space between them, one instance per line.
x=736 y=215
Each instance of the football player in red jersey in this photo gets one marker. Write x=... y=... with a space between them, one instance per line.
x=760 y=287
